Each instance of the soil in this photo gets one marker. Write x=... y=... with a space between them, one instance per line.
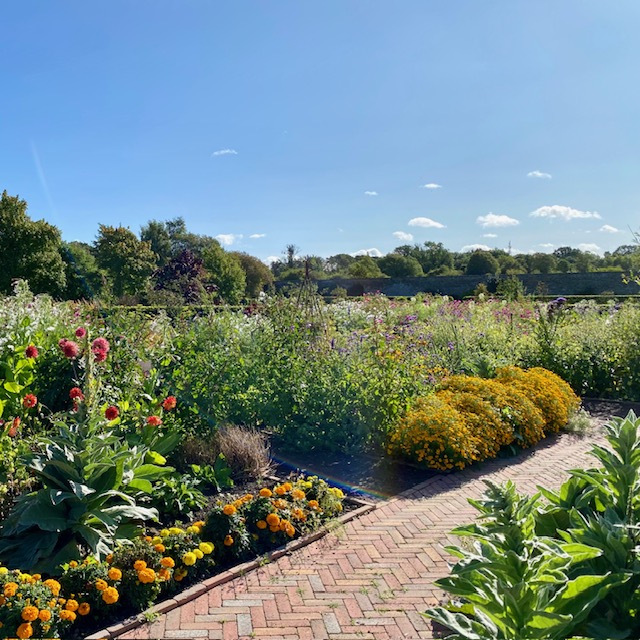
x=375 y=478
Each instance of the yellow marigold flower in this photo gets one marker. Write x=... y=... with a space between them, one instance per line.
x=280 y=490
x=156 y=540
x=198 y=553
x=65 y=614
x=30 y=613
x=228 y=541
x=101 y=585
x=206 y=548
x=338 y=493
x=168 y=562
x=189 y=558
x=114 y=574
x=25 y=577
x=10 y=589
x=273 y=519
x=25 y=630
x=139 y=565
x=261 y=524
x=72 y=605
x=109 y=558
x=290 y=530
x=297 y=494
x=44 y=615
x=247 y=497
x=265 y=493
x=160 y=548
x=73 y=564
x=110 y=595
x=147 y=576
x=175 y=531
x=228 y=509
x=193 y=529
x=84 y=608
x=164 y=533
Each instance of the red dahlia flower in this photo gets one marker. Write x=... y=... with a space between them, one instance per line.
x=81 y=332
x=69 y=348
x=111 y=413
x=100 y=355
x=100 y=344
x=31 y=351
x=29 y=401
x=169 y=403
x=76 y=394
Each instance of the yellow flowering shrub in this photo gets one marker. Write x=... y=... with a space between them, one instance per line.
x=553 y=396
x=433 y=433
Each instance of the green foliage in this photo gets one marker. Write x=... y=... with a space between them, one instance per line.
x=567 y=567
x=258 y=276
x=225 y=272
x=178 y=497
x=481 y=263
x=28 y=249
x=364 y=267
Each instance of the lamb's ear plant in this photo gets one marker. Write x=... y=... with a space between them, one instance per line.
x=556 y=570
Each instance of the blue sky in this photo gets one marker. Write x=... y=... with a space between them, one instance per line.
x=338 y=126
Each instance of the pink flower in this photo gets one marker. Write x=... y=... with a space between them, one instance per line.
x=154 y=421
x=81 y=332
x=100 y=355
x=111 y=413
x=69 y=348
x=31 y=351
x=100 y=344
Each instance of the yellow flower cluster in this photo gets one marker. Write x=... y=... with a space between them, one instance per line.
x=469 y=419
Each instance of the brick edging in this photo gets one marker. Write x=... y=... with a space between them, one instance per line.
x=197 y=590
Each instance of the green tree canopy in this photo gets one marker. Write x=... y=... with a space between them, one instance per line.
x=257 y=274
x=364 y=267
x=127 y=261
x=29 y=249
x=84 y=278
x=397 y=266
x=480 y=263
x=225 y=272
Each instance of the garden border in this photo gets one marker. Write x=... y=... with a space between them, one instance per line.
x=197 y=590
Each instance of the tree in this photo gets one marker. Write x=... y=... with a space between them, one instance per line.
x=481 y=263
x=543 y=262
x=183 y=276
x=29 y=249
x=257 y=274
x=225 y=272
x=364 y=267
x=338 y=264
x=159 y=239
x=85 y=281
x=127 y=261
x=397 y=266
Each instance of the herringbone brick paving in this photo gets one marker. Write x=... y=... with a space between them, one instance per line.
x=370 y=579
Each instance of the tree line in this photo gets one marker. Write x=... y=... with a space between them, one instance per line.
x=166 y=264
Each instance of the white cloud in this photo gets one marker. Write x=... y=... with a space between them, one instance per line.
x=431 y=185
x=539 y=174
x=474 y=247
x=370 y=193
x=489 y=235
x=228 y=239
x=607 y=228
x=561 y=211
x=590 y=247
x=547 y=245
x=224 y=152
x=271 y=259
x=258 y=235
x=425 y=222
x=373 y=252
x=401 y=235
x=496 y=220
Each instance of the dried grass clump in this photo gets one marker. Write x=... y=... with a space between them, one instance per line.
x=247 y=451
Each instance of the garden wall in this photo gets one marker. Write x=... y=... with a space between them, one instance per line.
x=554 y=284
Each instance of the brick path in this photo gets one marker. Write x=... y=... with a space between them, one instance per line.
x=372 y=578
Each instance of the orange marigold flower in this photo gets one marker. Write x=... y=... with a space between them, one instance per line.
x=160 y=548
x=54 y=585
x=265 y=493
x=228 y=509
x=139 y=565
x=228 y=541
x=313 y=504
x=274 y=529
x=280 y=490
x=110 y=595
x=72 y=605
x=44 y=615
x=67 y=615
x=114 y=573
x=25 y=630
x=168 y=562
x=109 y=558
x=290 y=530
x=280 y=504
x=273 y=519
x=84 y=608
x=29 y=613
x=147 y=576
x=298 y=494
x=261 y=524
x=164 y=574
x=101 y=584
x=287 y=486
